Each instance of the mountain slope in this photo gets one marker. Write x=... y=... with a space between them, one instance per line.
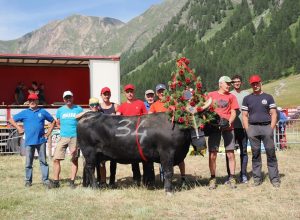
x=252 y=36
x=86 y=35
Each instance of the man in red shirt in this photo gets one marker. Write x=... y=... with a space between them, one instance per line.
x=132 y=107
x=226 y=105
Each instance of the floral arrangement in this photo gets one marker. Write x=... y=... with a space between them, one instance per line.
x=186 y=103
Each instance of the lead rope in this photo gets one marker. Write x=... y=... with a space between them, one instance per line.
x=137 y=141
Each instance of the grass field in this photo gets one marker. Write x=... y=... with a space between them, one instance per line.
x=128 y=202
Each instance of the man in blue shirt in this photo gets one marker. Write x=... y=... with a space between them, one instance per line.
x=66 y=120
x=33 y=120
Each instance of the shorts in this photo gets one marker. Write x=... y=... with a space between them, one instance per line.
x=214 y=140
x=61 y=147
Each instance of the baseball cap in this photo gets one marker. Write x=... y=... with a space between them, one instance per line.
x=149 y=91
x=93 y=100
x=279 y=108
x=254 y=79
x=105 y=89
x=225 y=79
x=33 y=96
x=66 y=93
x=160 y=86
x=129 y=86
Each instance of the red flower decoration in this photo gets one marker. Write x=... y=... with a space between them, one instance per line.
x=181 y=72
x=168 y=98
x=179 y=83
x=201 y=126
x=183 y=108
x=180 y=119
x=192 y=103
x=172 y=108
x=198 y=85
x=182 y=98
x=199 y=109
x=173 y=86
x=188 y=80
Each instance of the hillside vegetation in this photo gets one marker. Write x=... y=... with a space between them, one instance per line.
x=221 y=37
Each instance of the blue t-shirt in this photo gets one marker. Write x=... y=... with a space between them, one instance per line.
x=34 y=122
x=68 y=121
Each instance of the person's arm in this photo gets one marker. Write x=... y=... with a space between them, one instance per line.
x=19 y=128
x=232 y=116
x=273 y=114
x=116 y=107
x=245 y=117
x=50 y=129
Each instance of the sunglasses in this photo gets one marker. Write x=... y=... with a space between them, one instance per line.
x=129 y=91
x=94 y=105
x=68 y=97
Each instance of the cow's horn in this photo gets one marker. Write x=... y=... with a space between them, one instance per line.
x=207 y=103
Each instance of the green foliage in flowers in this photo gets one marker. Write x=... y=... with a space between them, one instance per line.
x=186 y=103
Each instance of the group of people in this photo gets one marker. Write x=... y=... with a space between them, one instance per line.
x=20 y=93
x=250 y=116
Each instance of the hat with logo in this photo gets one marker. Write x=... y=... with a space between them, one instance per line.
x=225 y=79
x=149 y=91
x=93 y=100
x=129 y=86
x=32 y=96
x=67 y=93
x=105 y=89
x=160 y=86
x=254 y=79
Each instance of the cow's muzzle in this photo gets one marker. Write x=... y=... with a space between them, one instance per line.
x=198 y=140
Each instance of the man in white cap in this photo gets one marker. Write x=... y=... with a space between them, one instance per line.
x=66 y=120
x=149 y=98
x=226 y=105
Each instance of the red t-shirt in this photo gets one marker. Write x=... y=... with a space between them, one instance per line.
x=224 y=103
x=136 y=107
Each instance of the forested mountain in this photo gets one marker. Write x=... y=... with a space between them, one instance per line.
x=221 y=37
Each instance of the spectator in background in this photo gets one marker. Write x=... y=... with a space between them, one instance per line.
x=34 y=88
x=239 y=132
x=110 y=108
x=33 y=120
x=259 y=118
x=132 y=107
x=282 y=119
x=67 y=121
x=19 y=94
x=42 y=99
x=149 y=98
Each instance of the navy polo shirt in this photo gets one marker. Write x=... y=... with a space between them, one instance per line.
x=258 y=107
x=34 y=122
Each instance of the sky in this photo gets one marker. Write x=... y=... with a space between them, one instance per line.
x=18 y=17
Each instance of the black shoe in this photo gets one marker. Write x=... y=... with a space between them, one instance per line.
x=276 y=184
x=72 y=184
x=103 y=185
x=256 y=183
x=28 y=184
x=55 y=184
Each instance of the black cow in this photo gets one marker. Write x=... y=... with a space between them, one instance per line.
x=128 y=139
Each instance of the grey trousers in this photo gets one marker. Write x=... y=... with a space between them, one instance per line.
x=256 y=135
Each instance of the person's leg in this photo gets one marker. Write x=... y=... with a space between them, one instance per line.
x=74 y=160
x=29 y=150
x=43 y=162
x=102 y=173
x=243 y=155
x=229 y=143
x=214 y=139
x=272 y=164
x=255 y=142
x=59 y=154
